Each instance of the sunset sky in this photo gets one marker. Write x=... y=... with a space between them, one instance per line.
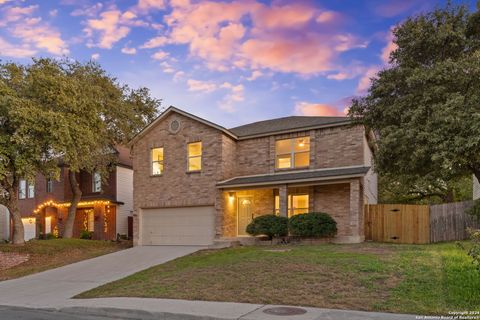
x=232 y=62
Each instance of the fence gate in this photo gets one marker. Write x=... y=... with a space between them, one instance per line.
x=398 y=223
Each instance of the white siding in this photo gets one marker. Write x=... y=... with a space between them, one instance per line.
x=4 y=223
x=370 y=179
x=476 y=189
x=125 y=195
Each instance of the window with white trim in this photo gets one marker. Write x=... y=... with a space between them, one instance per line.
x=49 y=185
x=157 y=161
x=31 y=189
x=96 y=182
x=195 y=156
x=297 y=204
x=292 y=153
x=22 y=189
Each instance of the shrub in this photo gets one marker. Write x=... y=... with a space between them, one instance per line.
x=269 y=225
x=474 y=210
x=474 y=251
x=85 y=234
x=314 y=224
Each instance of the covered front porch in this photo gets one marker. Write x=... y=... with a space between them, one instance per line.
x=341 y=198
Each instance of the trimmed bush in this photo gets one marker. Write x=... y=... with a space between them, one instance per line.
x=313 y=224
x=85 y=234
x=269 y=225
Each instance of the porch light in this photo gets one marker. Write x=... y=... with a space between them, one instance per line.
x=301 y=144
x=231 y=196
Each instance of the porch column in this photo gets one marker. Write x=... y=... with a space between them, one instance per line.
x=283 y=197
x=356 y=213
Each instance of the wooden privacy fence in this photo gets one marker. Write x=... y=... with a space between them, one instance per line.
x=450 y=221
x=403 y=223
x=398 y=223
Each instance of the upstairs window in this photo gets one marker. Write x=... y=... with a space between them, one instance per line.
x=195 y=156
x=96 y=182
x=49 y=185
x=31 y=189
x=157 y=161
x=22 y=189
x=292 y=153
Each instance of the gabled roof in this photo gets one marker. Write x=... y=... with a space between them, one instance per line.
x=256 y=129
x=287 y=124
x=171 y=109
x=294 y=177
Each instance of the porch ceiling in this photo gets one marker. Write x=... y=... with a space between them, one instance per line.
x=294 y=177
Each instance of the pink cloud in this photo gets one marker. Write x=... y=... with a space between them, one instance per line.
x=147 y=5
x=317 y=109
x=15 y=51
x=127 y=50
x=327 y=17
x=201 y=86
x=366 y=80
x=160 y=55
x=286 y=16
x=111 y=26
x=388 y=49
x=155 y=42
x=216 y=32
x=391 y=8
x=32 y=31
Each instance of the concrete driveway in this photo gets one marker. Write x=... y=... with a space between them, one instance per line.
x=54 y=287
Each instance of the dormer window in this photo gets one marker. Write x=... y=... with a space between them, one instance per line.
x=292 y=153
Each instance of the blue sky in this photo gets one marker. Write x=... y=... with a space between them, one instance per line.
x=232 y=62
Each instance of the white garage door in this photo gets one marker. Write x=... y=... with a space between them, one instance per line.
x=178 y=226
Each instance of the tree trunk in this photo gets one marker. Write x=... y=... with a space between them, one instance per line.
x=12 y=206
x=72 y=210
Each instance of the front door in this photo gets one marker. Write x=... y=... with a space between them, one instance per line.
x=245 y=214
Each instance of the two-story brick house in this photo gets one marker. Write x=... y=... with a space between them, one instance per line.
x=196 y=182
x=103 y=209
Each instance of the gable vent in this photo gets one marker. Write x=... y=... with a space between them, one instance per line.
x=174 y=126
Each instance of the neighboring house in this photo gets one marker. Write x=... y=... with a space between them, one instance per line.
x=103 y=209
x=4 y=223
x=196 y=182
x=476 y=188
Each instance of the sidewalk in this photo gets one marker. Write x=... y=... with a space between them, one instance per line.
x=167 y=309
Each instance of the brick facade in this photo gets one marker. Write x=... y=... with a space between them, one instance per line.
x=224 y=157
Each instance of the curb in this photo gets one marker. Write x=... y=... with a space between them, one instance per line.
x=133 y=314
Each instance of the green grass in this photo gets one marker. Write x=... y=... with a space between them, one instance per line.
x=48 y=254
x=421 y=279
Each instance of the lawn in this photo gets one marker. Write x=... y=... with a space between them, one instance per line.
x=421 y=279
x=40 y=255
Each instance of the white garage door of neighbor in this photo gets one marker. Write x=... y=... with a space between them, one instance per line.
x=178 y=226
x=29 y=227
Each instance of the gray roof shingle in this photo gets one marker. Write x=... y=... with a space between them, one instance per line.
x=294 y=176
x=285 y=124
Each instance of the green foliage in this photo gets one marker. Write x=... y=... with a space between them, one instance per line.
x=474 y=251
x=423 y=189
x=269 y=225
x=85 y=234
x=474 y=210
x=425 y=106
x=313 y=224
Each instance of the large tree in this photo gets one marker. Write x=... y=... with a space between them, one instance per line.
x=26 y=142
x=425 y=107
x=99 y=111
x=423 y=189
